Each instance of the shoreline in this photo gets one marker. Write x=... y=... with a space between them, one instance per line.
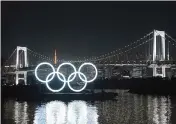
x=97 y=89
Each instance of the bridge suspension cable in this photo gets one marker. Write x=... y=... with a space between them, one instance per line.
x=171 y=38
x=116 y=55
x=123 y=52
x=10 y=56
x=105 y=56
x=40 y=55
x=35 y=54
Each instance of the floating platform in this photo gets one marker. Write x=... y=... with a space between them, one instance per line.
x=33 y=93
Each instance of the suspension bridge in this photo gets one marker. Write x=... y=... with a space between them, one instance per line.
x=154 y=51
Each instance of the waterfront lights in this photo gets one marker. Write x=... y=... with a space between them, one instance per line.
x=62 y=77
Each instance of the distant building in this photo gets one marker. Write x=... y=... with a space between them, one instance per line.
x=136 y=72
x=108 y=72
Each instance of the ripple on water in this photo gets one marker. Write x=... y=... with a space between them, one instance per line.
x=127 y=109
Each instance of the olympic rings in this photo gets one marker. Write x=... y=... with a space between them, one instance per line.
x=52 y=73
x=44 y=63
x=71 y=66
x=96 y=73
x=85 y=84
x=62 y=78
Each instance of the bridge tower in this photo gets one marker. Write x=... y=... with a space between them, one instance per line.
x=24 y=49
x=159 y=52
x=55 y=57
x=24 y=73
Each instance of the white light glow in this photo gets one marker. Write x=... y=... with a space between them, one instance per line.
x=40 y=115
x=56 y=112
x=64 y=81
x=71 y=77
x=44 y=63
x=96 y=72
x=92 y=115
x=74 y=68
x=85 y=82
x=77 y=112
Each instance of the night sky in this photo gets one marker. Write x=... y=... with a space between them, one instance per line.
x=81 y=29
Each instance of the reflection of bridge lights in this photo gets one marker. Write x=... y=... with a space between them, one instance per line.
x=20 y=113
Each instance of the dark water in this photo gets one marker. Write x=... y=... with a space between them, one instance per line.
x=126 y=109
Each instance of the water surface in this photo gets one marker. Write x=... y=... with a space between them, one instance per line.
x=126 y=109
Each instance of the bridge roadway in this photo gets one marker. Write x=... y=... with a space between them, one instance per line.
x=115 y=65
x=29 y=69
x=150 y=64
x=122 y=63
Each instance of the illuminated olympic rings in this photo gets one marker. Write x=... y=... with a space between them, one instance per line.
x=62 y=78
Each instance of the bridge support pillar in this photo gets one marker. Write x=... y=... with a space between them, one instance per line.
x=25 y=78
x=163 y=72
x=17 y=80
x=24 y=73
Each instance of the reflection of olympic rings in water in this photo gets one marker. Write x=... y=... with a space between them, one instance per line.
x=58 y=112
x=62 y=78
